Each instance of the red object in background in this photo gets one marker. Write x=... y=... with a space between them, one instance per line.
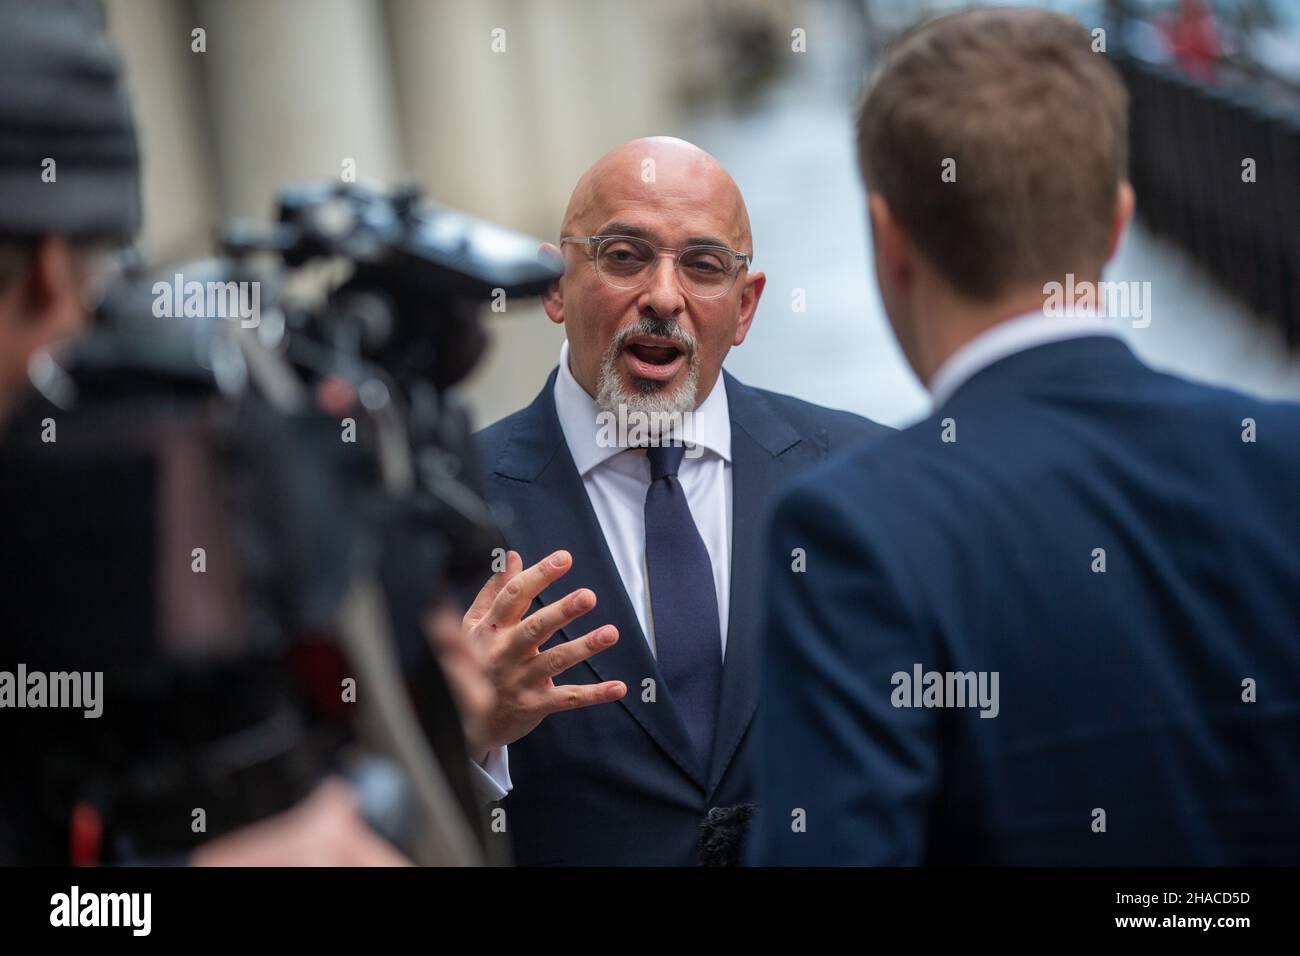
x=1193 y=36
x=319 y=665
x=335 y=396
x=85 y=835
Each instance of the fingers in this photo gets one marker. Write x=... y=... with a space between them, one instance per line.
x=519 y=591
x=332 y=820
x=363 y=847
x=331 y=799
x=324 y=829
x=461 y=664
x=575 y=696
x=488 y=593
x=539 y=626
x=559 y=659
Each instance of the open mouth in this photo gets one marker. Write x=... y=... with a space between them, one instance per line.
x=654 y=354
x=653 y=358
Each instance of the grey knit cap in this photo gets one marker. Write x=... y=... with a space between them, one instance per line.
x=62 y=98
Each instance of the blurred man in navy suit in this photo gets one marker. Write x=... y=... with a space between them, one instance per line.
x=1058 y=621
x=634 y=480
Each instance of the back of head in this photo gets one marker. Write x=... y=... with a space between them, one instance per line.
x=998 y=138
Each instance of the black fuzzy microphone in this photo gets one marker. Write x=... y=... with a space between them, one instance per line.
x=722 y=835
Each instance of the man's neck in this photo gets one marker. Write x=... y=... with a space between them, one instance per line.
x=948 y=323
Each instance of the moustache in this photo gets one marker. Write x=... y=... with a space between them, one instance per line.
x=659 y=328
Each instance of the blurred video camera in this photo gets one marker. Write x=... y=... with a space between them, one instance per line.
x=235 y=500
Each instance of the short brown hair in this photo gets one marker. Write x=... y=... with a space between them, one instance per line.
x=1037 y=124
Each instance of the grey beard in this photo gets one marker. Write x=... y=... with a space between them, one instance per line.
x=646 y=397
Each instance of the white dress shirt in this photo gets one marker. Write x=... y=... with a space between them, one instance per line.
x=616 y=480
x=1006 y=339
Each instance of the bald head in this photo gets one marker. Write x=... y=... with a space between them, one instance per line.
x=663 y=174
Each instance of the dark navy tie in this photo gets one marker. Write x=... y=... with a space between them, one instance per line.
x=683 y=601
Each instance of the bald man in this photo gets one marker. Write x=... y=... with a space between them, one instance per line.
x=623 y=656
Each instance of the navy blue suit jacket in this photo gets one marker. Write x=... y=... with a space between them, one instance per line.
x=616 y=783
x=1120 y=692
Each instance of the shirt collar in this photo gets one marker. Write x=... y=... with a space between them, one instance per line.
x=1005 y=339
x=578 y=414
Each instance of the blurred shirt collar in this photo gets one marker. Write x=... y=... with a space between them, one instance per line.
x=578 y=414
x=1007 y=338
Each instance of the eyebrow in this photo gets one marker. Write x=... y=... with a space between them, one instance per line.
x=640 y=232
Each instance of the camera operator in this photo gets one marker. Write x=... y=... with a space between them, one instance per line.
x=69 y=192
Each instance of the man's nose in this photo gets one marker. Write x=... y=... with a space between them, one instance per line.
x=663 y=293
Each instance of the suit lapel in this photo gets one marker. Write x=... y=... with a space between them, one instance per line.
x=536 y=478
x=758 y=438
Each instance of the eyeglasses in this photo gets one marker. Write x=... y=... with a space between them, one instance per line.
x=626 y=262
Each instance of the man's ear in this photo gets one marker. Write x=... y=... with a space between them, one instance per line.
x=553 y=299
x=1124 y=202
x=51 y=293
x=43 y=305
x=749 y=296
x=893 y=248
